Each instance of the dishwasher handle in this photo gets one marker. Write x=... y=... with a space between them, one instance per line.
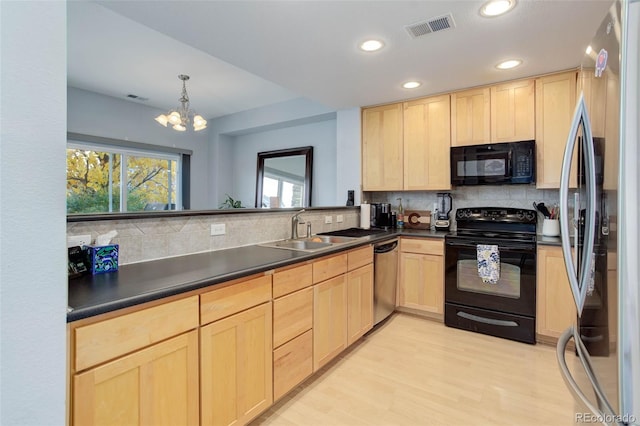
x=385 y=248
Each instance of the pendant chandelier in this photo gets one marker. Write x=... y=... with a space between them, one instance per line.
x=180 y=117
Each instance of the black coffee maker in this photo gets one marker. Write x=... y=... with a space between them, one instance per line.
x=381 y=215
x=444 y=208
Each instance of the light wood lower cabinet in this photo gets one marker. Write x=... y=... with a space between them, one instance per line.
x=236 y=367
x=292 y=363
x=329 y=320
x=422 y=276
x=153 y=386
x=359 y=302
x=292 y=328
x=555 y=305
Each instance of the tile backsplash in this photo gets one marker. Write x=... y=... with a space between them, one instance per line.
x=517 y=196
x=155 y=238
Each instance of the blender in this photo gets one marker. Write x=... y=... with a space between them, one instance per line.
x=444 y=208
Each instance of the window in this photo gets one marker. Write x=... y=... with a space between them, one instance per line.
x=107 y=178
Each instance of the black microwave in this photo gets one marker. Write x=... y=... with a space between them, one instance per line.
x=494 y=164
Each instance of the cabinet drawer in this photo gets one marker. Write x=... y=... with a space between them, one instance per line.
x=292 y=363
x=329 y=267
x=290 y=280
x=292 y=315
x=109 y=339
x=359 y=257
x=234 y=298
x=425 y=246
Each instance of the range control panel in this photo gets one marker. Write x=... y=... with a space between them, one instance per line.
x=496 y=214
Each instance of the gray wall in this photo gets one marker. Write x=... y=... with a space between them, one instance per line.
x=321 y=136
x=33 y=275
x=98 y=115
x=290 y=124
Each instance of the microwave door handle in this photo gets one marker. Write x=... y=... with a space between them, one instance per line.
x=579 y=293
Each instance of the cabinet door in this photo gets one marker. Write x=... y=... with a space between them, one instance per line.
x=555 y=104
x=292 y=363
x=471 y=117
x=359 y=302
x=382 y=148
x=292 y=315
x=555 y=306
x=329 y=320
x=513 y=111
x=427 y=138
x=153 y=386
x=422 y=282
x=601 y=95
x=236 y=367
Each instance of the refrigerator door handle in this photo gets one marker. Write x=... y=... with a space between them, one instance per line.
x=579 y=282
x=561 y=347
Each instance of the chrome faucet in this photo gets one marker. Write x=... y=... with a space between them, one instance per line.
x=295 y=220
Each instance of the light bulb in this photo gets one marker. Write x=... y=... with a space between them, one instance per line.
x=179 y=127
x=199 y=121
x=174 y=118
x=162 y=119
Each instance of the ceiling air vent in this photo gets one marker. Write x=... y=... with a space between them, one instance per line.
x=136 y=97
x=432 y=25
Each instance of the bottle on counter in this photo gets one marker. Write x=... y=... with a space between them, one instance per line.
x=400 y=215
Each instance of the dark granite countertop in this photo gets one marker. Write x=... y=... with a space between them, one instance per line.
x=138 y=283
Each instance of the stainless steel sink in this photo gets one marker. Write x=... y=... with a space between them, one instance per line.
x=310 y=244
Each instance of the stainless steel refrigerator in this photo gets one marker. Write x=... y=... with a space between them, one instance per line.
x=599 y=196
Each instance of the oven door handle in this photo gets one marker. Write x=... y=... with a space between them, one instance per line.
x=484 y=320
x=529 y=247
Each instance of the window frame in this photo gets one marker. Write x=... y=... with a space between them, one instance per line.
x=129 y=148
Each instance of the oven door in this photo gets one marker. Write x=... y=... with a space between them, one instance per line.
x=515 y=290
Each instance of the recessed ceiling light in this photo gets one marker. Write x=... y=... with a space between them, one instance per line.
x=371 y=45
x=496 y=7
x=589 y=50
x=511 y=63
x=411 y=84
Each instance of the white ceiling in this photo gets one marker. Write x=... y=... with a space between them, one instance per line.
x=246 y=54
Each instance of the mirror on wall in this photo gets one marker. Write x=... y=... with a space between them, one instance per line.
x=284 y=178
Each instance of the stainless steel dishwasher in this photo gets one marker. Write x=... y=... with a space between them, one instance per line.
x=385 y=277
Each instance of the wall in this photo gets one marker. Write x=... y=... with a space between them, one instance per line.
x=321 y=136
x=33 y=275
x=303 y=120
x=98 y=115
x=148 y=239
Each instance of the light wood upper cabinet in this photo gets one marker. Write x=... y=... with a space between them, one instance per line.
x=157 y=385
x=513 y=111
x=360 y=302
x=382 y=148
x=555 y=104
x=427 y=138
x=555 y=305
x=605 y=118
x=236 y=367
x=471 y=117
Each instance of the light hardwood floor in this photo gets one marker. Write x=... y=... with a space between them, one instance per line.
x=412 y=371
